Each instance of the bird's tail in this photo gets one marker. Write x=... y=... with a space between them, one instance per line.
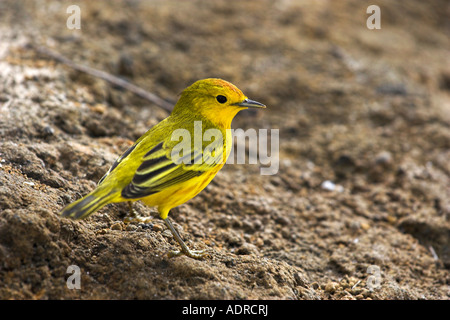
x=87 y=205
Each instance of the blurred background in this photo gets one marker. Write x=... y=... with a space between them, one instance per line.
x=364 y=120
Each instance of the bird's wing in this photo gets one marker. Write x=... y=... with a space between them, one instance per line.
x=161 y=168
x=116 y=163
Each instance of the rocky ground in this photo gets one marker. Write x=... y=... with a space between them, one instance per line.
x=360 y=205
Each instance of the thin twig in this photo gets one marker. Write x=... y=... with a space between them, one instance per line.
x=107 y=77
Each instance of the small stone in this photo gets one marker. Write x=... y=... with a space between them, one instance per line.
x=391 y=219
x=331 y=287
x=384 y=158
x=331 y=186
x=283 y=221
x=365 y=292
x=116 y=226
x=102 y=231
x=48 y=131
x=257 y=224
x=131 y=227
x=158 y=228
x=99 y=108
x=348 y=297
x=167 y=234
x=246 y=248
x=328 y=185
x=356 y=291
x=300 y=279
x=259 y=242
x=365 y=226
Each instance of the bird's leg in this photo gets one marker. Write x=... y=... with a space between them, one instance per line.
x=133 y=216
x=195 y=254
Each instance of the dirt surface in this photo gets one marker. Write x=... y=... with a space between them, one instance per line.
x=360 y=205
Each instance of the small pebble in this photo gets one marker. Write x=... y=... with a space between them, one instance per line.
x=48 y=131
x=328 y=185
x=116 y=226
x=131 y=227
x=365 y=226
x=330 y=287
x=99 y=108
x=300 y=279
x=391 y=219
x=331 y=186
x=158 y=228
x=246 y=248
x=283 y=221
x=365 y=292
x=167 y=234
x=383 y=158
x=356 y=291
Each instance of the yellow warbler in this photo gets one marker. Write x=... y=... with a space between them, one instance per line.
x=163 y=171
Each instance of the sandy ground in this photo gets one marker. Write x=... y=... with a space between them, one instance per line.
x=366 y=110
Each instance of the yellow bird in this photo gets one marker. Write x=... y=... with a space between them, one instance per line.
x=163 y=171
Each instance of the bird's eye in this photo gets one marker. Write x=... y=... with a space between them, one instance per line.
x=221 y=99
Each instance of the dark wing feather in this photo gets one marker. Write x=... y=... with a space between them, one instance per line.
x=158 y=171
x=116 y=163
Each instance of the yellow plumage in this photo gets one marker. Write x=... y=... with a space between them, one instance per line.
x=151 y=171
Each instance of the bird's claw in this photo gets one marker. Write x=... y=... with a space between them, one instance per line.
x=137 y=219
x=194 y=254
x=133 y=216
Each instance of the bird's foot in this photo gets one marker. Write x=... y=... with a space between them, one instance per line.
x=185 y=251
x=194 y=254
x=137 y=219
x=133 y=216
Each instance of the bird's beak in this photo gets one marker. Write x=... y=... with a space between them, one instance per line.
x=247 y=103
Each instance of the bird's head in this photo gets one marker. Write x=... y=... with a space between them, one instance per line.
x=217 y=100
